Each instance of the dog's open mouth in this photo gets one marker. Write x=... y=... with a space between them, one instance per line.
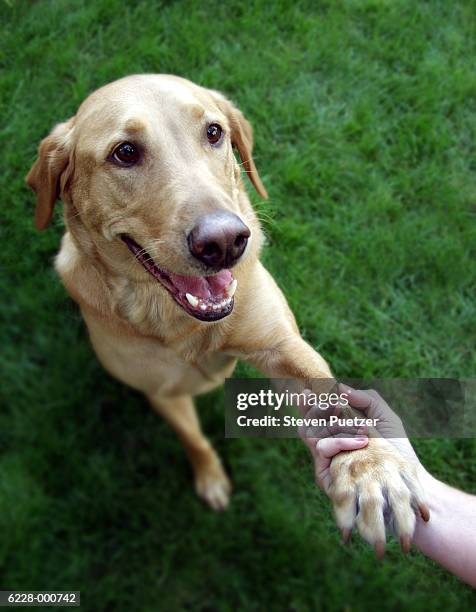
x=208 y=298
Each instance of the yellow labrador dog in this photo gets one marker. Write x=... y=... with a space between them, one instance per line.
x=161 y=253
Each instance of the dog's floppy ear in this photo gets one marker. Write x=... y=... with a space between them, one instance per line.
x=242 y=139
x=49 y=174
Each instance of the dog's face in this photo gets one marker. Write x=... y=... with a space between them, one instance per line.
x=150 y=183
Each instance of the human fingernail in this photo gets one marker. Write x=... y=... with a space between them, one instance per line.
x=360 y=439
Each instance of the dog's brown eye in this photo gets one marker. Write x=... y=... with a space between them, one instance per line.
x=214 y=132
x=126 y=154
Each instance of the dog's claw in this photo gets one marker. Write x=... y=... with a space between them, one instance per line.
x=405 y=544
x=379 y=548
x=424 y=511
x=346 y=534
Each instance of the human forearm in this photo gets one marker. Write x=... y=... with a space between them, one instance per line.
x=449 y=538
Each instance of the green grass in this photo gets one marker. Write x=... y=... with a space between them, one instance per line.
x=364 y=118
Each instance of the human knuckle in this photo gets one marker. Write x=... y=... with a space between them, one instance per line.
x=375 y=396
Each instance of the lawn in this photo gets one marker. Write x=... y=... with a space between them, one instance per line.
x=364 y=115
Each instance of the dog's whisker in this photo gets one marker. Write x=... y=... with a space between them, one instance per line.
x=246 y=161
x=74 y=215
x=263 y=217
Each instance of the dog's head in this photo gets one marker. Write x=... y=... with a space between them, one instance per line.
x=150 y=184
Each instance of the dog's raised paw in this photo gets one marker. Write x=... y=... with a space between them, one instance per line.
x=376 y=489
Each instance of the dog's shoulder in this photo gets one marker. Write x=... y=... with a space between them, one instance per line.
x=82 y=279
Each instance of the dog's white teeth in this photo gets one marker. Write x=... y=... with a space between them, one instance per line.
x=208 y=305
x=192 y=300
x=230 y=290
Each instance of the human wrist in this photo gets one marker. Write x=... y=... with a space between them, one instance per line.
x=431 y=488
x=430 y=484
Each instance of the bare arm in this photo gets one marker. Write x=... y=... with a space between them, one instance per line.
x=450 y=537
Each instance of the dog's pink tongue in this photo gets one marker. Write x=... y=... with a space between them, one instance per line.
x=203 y=286
x=219 y=282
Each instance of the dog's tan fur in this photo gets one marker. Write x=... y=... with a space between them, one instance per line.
x=140 y=335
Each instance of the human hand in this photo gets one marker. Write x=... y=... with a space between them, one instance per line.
x=326 y=442
x=389 y=425
x=396 y=471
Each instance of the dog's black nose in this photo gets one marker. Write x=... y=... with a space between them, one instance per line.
x=218 y=239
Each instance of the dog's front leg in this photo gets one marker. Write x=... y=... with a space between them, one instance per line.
x=371 y=488
x=374 y=488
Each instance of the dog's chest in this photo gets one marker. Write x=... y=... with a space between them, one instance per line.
x=145 y=364
x=165 y=356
